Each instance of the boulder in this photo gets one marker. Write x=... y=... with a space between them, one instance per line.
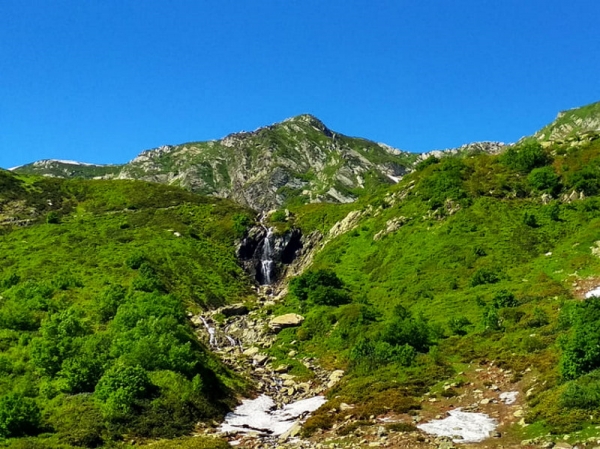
x=234 y=310
x=287 y=320
x=335 y=377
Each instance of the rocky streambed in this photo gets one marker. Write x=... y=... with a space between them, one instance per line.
x=240 y=337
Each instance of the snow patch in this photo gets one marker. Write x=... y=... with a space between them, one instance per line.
x=462 y=427
x=593 y=293
x=509 y=397
x=64 y=161
x=396 y=179
x=260 y=415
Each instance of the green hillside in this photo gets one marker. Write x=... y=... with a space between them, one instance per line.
x=468 y=260
x=465 y=279
x=94 y=338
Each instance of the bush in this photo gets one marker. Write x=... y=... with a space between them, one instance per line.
x=484 y=276
x=53 y=218
x=241 y=222
x=525 y=157
x=120 y=389
x=504 y=298
x=279 y=216
x=109 y=300
x=321 y=287
x=581 y=352
x=530 y=220
x=544 y=179
x=19 y=416
x=135 y=261
x=459 y=325
x=586 y=180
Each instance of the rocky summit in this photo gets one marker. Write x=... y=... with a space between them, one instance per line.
x=298 y=160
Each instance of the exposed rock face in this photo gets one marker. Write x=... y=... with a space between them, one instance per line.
x=282 y=249
x=297 y=158
x=469 y=148
x=574 y=126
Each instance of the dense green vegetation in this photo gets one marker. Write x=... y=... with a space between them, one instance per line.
x=94 y=338
x=471 y=259
x=481 y=268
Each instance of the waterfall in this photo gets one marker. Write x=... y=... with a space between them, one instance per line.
x=266 y=258
x=211 y=333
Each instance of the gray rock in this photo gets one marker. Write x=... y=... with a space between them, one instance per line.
x=288 y=320
x=234 y=310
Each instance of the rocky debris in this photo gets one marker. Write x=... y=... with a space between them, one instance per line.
x=335 y=377
x=346 y=224
x=287 y=320
x=573 y=196
x=469 y=148
x=392 y=225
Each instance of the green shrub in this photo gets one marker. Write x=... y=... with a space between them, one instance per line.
x=586 y=180
x=484 y=276
x=241 y=223
x=459 y=325
x=530 y=220
x=544 y=179
x=321 y=287
x=504 y=298
x=525 y=157
x=121 y=389
x=19 y=416
x=52 y=218
x=279 y=216
x=581 y=352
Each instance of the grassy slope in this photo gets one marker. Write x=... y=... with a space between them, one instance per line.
x=429 y=266
x=108 y=235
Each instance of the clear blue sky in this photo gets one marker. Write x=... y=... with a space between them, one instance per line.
x=100 y=81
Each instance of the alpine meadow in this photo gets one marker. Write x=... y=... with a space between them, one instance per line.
x=295 y=287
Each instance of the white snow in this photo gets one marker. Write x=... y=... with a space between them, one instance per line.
x=64 y=161
x=509 y=397
x=593 y=293
x=259 y=415
x=14 y=168
x=462 y=427
x=396 y=179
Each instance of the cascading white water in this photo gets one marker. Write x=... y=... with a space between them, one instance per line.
x=266 y=259
x=211 y=333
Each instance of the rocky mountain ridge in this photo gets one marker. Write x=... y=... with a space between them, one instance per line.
x=297 y=160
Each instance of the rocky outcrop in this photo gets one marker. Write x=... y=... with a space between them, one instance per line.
x=260 y=243
x=299 y=158
x=288 y=320
x=469 y=148
x=575 y=126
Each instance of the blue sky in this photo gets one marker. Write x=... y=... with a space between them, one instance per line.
x=101 y=81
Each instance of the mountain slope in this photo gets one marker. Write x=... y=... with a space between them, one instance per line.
x=97 y=282
x=296 y=161
x=576 y=124
x=469 y=265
